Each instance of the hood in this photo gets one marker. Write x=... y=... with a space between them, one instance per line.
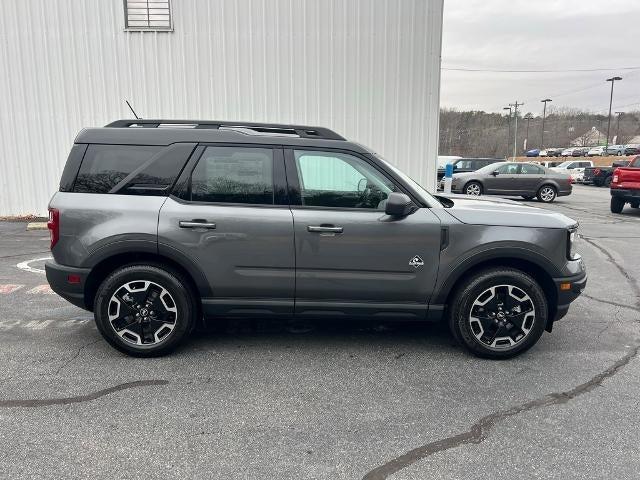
x=507 y=213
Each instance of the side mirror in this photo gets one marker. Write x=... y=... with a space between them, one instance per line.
x=495 y=173
x=398 y=205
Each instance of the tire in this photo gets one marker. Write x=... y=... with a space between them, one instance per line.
x=547 y=193
x=617 y=204
x=498 y=335
x=619 y=153
x=597 y=182
x=170 y=313
x=608 y=180
x=473 y=188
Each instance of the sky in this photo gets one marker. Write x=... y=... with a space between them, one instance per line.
x=541 y=35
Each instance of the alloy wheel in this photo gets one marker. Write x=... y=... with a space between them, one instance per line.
x=142 y=312
x=473 y=189
x=547 y=194
x=502 y=316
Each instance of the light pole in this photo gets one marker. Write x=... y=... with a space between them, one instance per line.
x=509 y=131
x=544 y=114
x=515 y=134
x=618 y=127
x=526 y=139
x=612 y=80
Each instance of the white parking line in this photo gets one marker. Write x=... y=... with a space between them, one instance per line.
x=9 y=288
x=25 y=265
x=42 y=289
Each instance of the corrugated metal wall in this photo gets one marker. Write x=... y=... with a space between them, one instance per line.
x=370 y=69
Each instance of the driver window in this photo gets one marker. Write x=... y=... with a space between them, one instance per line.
x=508 y=169
x=338 y=180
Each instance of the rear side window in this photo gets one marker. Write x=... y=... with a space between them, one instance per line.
x=105 y=166
x=234 y=175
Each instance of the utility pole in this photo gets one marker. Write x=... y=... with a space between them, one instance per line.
x=526 y=139
x=612 y=80
x=618 y=127
x=515 y=135
x=509 y=132
x=544 y=114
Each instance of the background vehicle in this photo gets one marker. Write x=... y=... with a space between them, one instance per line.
x=468 y=165
x=155 y=229
x=601 y=176
x=625 y=186
x=443 y=160
x=554 y=152
x=579 y=152
x=549 y=164
x=615 y=150
x=632 y=149
x=533 y=153
x=574 y=168
x=508 y=179
x=595 y=152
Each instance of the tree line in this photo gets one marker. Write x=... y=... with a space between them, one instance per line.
x=483 y=134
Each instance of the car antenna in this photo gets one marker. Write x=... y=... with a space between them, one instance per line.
x=132 y=110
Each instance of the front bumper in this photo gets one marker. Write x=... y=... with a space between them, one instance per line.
x=58 y=277
x=568 y=289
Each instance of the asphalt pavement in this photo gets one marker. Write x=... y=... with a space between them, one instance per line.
x=269 y=400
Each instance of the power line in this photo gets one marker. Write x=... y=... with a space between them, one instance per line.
x=466 y=69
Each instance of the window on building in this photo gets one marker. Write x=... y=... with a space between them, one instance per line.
x=154 y=15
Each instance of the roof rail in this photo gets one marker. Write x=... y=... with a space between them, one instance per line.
x=244 y=127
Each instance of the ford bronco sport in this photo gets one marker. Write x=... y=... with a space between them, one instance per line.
x=161 y=224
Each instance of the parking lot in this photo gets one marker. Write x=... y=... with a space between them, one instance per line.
x=257 y=400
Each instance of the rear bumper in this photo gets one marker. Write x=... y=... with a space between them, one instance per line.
x=625 y=193
x=568 y=289
x=58 y=278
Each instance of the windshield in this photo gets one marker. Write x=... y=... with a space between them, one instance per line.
x=565 y=164
x=428 y=197
x=490 y=168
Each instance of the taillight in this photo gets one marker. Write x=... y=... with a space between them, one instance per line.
x=615 y=179
x=54 y=226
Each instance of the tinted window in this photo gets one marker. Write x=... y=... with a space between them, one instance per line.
x=234 y=175
x=340 y=181
x=104 y=166
x=528 y=169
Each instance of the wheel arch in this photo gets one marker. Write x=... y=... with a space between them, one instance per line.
x=536 y=267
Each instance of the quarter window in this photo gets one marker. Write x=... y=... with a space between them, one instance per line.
x=337 y=180
x=234 y=175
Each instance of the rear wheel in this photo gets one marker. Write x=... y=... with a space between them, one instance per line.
x=498 y=313
x=473 y=188
x=547 y=193
x=617 y=204
x=144 y=310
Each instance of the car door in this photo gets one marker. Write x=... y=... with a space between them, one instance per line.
x=351 y=258
x=529 y=179
x=229 y=219
x=504 y=182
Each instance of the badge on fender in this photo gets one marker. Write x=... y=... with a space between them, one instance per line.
x=416 y=261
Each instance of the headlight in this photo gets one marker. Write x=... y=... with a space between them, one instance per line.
x=572 y=241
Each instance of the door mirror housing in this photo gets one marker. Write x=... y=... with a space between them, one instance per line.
x=495 y=173
x=398 y=205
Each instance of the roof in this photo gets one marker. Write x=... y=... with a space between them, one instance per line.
x=166 y=132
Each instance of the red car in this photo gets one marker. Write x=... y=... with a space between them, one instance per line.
x=625 y=186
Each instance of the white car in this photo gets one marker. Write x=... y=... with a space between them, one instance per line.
x=595 y=152
x=567 y=152
x=574 y=168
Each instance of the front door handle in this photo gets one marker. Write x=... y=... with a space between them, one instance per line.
x=324 y=229
x=197 y=224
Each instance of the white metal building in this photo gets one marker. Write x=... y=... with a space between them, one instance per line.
x=369 y=69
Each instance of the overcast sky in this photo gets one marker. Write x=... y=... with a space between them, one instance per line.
x=540 y=35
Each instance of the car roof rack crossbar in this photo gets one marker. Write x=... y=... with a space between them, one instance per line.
x=301 y=131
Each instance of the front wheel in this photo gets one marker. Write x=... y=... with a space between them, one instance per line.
x=498 y=313
x=547 y=194
x=473 y=188
x=617 y=204
x=144 y=310
x=607 y=181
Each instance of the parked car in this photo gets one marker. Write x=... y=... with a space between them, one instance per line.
x=632 y=149
x=625 y=186
x=602 y=176
x=467 y=165
x=567 y=152
x=533 y=153
x=596 y=152
x=443 y=160
x=554 y=152
x=549 y=164
x=513 y=179
x=574 y=168
x=156 y=230
x=615 y=150
x=580 y=151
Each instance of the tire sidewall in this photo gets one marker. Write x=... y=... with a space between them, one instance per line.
x=175 y=286
x=459 y=320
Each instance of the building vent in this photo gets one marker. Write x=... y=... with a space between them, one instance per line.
x=153 y=15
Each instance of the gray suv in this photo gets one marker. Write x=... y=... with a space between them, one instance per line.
x=161 y=225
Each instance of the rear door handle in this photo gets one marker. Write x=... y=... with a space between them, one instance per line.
x=197 y=224
x=323 y=229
